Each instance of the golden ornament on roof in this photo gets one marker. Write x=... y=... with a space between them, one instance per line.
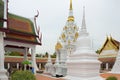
x=71 y=18
x=74 y=27
x=69 y=42
x=63 y=36
x=76 y=35
x=58 y=46
x=65 y=28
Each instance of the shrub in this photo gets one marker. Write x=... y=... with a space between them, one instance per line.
x=26 y=62
x=111 y=78
x=23 y=75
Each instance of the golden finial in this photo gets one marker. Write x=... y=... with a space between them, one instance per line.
x=71 y=17
x=70 y=4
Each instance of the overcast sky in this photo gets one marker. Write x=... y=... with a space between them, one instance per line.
x=102 y=18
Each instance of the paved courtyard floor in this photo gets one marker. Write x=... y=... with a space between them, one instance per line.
x=47 y=77
x=105 y=75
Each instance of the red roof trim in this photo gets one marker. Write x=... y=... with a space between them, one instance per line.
x=21 y=33
x=23 y=41
x=14 y=46
x=4 y=30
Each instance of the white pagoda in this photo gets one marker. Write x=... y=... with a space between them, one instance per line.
x=83 y=64
x=70 y=32
x=66 y=44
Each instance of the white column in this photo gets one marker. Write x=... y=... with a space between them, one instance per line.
x=17 y=65
x=34 y=65
x=5 y=13
x=25 y=54
x=40 y=66
x=8 y=65
x=24 y=66
x=107 y=66
x=3 y=75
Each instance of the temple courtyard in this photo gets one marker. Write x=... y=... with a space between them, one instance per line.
x=47 y=77
x=74 y=54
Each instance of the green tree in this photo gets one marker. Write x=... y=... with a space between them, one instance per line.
x=98 y=51
x=14 y=53
x=46 y=54
x=54 y=55
x=26 y=62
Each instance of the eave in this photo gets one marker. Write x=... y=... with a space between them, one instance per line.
x=11 y=46
x=106 y=60
x=22 y=41
x=21 y=33
x=4 y=30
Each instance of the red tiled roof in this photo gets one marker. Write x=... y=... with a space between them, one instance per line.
x=21 y=29
x=20 y=59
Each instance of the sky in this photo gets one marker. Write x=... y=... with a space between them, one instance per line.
x=102 y=19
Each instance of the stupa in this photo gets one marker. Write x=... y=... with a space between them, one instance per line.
x=83 y=64
x=49 y=66
x=70 y=33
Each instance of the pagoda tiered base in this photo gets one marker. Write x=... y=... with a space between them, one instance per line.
x=3 y=75
x=83 y=65
x=78 y=78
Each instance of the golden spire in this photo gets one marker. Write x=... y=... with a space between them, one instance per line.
x=70 y=4
x=71 y=17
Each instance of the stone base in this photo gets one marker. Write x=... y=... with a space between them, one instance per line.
x=78 y=78
x=3 y=75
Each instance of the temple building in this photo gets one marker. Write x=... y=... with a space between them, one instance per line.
x=108 y=53
x=17 y=33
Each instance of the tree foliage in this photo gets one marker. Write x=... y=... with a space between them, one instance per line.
x=14 y=53
x=26 y=62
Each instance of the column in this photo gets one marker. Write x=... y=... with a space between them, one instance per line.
x=107 y=66
x=17 y=65
x=34 y=65
x=24 y=66
x=25 y=53
x=8 y=65
x=3 y=75
x=5 y=12
x=40 y=66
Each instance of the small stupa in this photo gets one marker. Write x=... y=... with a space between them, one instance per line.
x=83 y=64
x=49 y=66
x=56 y=66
